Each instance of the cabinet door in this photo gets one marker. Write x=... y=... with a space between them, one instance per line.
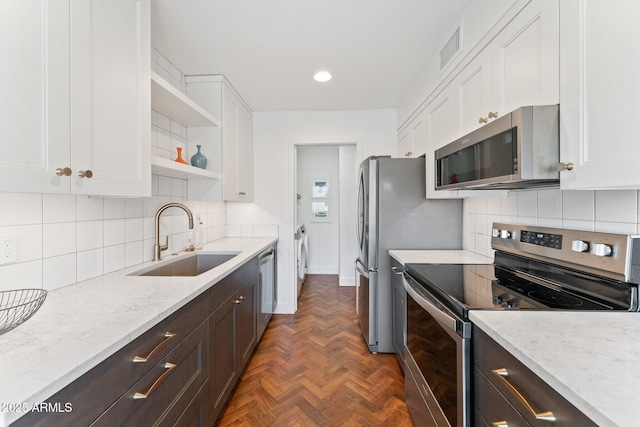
x=404 y=142
x=222 y=365
x=473 y=94
x=600 y=59
x=245 y=154
x=525 y=59
x=440 y=122
x=34 y=109
x=420 y=135
x=110 y=97
x=246 y=323
x=230 y=106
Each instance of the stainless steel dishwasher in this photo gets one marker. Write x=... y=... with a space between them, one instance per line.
x=268 y=290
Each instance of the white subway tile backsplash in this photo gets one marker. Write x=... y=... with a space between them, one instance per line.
x=90 y=264
x=176 y=129
x=58 y=208
x=550 y=222
x=164 y=140
x=134 y=253
x=509 y=205
x=176 y=188
x=114 y=208
x=21 y=275
x=164 y=73
x=134 y=208
x=90 y=235
x=164 y=187
x=90 y=209
x=617 y=206
x=550 y=203
x=58 y=239
x=164 y=123
x=58 y=271
x=528 y=203
x=577 y=224
x=616 y=227
x=25 y=209
x=114 y=233
x=29 y=241
x=494 y=205
x=164 y=62
x=578 y=205
x=134 y=230
x=113 y=258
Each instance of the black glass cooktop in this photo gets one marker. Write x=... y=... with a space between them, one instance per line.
x=464 y=287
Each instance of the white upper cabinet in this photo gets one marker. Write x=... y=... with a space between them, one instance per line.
x=519 y=67
x=75 y=105
x=526 y=59
x=473 y=94
x=110 y=97
x=599 y=90
x=440 y=115
x=34 y=108
x=414 y=139
x=237 y=148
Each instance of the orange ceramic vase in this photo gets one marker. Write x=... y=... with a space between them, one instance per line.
x=179 y=159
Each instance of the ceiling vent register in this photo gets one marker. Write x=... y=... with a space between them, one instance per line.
x=450 y=49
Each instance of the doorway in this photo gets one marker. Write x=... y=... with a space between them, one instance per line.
x=325 y=201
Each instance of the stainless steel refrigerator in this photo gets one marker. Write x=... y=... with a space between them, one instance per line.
x=393 y=213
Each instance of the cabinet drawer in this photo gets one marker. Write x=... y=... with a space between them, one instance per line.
x=489 y=356
x=491 y=405
x=95 y=391
x=228 y=286
x=167 y=389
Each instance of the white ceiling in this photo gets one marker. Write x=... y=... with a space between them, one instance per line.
x=269 y=50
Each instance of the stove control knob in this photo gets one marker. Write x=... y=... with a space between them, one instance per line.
x=495 y=233
x=579 y=246
x=505 y=234
x=600 y=249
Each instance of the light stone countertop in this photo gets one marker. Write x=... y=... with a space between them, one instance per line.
x=590 y=358
x=445 y=256
x=81 y=325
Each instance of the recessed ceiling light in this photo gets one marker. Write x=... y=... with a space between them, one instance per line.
x=322 y=76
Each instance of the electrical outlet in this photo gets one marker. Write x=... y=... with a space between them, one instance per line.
x=8 y=249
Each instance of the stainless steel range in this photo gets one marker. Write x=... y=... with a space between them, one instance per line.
x=534 y=268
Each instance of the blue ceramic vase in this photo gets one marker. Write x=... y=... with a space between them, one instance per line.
x=199 y=160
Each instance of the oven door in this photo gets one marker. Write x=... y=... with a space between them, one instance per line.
x=439 y=360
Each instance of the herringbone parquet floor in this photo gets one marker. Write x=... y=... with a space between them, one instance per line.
x=313 y=369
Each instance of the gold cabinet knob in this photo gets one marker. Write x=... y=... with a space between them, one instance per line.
x=242 y=193
x=63 y=171
x=85 y=174
x=493 y=115
x=483 y=120
x=237 y=301
x=565 y=167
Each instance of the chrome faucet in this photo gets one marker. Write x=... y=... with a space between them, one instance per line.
x=158 y=248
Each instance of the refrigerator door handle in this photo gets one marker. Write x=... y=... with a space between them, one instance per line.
x=362 y=270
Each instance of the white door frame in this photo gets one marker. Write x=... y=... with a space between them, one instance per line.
x=293 y=144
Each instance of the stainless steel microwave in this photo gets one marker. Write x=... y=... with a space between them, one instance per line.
x=518 y=150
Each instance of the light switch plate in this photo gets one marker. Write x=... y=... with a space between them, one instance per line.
x=8 y=249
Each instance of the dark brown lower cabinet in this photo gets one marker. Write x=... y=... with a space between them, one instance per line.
x=232 y=334
x=193 y=360
x=506 y=392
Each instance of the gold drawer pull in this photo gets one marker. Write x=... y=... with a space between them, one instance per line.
x=168 y=336
x=500 y=424
x=502 y=373
x=169 y=367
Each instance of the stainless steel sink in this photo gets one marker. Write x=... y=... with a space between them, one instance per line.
x=189 y=265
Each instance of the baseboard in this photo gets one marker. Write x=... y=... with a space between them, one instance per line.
x=321 y=270
x=347 y=281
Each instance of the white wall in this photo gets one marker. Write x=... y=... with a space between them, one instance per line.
x=348 y=198
x=320 y=162
x=274 y=136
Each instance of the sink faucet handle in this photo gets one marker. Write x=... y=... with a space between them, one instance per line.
x=166 y=244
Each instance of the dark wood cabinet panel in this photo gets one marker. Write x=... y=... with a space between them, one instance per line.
x=490 y=356
x=93 y=393
x=167 y=388
x=222 y=365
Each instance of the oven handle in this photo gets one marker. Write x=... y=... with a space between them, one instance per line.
x=441 y=317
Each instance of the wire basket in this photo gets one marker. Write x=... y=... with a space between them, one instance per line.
x=17 y=306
